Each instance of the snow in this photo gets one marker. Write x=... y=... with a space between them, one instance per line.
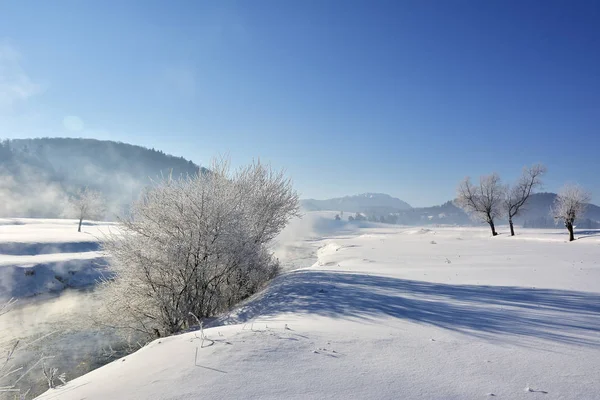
x=382 y=313
x=48 y=255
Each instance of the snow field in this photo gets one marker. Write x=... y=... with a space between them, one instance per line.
x=38 y=256
x=390 y=313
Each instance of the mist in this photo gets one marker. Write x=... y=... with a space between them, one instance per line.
x=60 y=326
x=38 y=176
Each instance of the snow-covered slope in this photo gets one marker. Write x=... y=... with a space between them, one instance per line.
x=392 y=313
x=48 y=255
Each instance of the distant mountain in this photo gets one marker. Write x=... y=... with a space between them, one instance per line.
x=366 y=202
x=536 y=214
x=38 y=175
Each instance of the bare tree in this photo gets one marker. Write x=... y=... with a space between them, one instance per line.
x=516 y=196
x=482 y=202
x=570 y=204
x=88 y=203
x=195 y=246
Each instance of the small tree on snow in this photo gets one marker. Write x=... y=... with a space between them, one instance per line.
x=88 y=203
x=516 y=196
x=484 y=201
x=570 y=204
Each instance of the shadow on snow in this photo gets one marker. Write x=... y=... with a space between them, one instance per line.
x=31 y=249
x=483 y=311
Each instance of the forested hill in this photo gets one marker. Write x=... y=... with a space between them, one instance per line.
x=366 y=202
x=38 y=175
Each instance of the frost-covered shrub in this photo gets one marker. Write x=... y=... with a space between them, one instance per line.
x=196 y=246
x=570 y=204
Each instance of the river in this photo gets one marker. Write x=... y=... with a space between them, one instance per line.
x=59 y=326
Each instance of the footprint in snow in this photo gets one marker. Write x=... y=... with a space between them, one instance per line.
x=531 y=390
x=326 y=352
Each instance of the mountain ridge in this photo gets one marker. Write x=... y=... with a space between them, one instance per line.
x=55 y=168
x=363 y=202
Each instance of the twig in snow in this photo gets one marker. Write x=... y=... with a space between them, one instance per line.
x=202 y=336
x=4 y=307
x=51 y=374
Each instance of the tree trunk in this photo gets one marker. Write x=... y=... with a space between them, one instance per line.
x=80 y=221
x=570 y=228
x=512 y=229
x=491 y=222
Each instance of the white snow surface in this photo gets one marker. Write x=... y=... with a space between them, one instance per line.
x=48 y=255
x=387 y=312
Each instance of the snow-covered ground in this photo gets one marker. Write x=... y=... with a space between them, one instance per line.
x=50 y=269
x=385 y=312
x=48 y=255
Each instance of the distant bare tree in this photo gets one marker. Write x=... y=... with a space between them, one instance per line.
x=570 y=204
x=517 y=195
x=88 y=203
x=482 y=202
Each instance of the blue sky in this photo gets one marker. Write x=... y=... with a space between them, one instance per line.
x=401 y=97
